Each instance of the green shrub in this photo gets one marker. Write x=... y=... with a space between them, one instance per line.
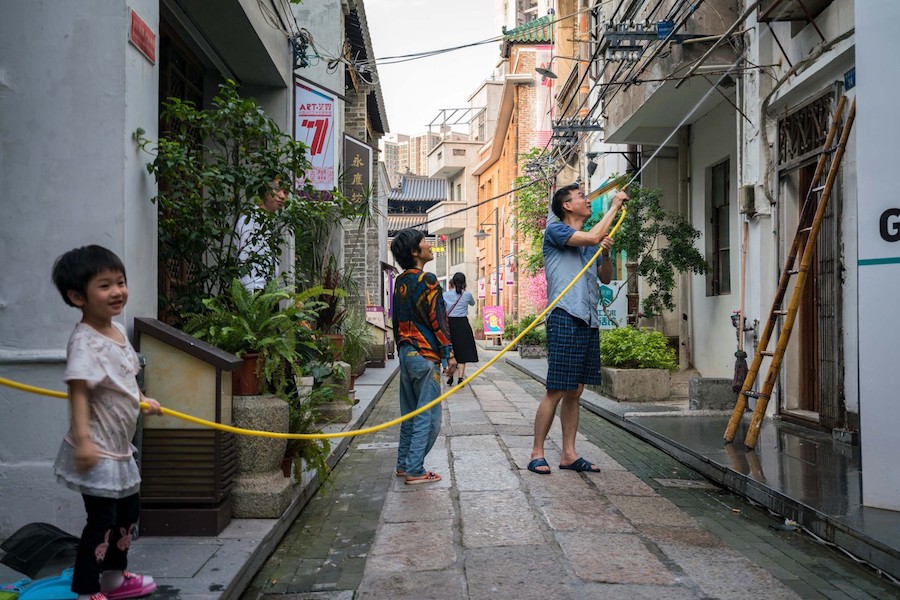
x=535 y=337
x=511 y=330
x=632 y=348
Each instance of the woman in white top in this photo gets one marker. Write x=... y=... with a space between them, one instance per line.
x=458 y=301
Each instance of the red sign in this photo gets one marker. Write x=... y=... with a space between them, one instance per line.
x=142 y=37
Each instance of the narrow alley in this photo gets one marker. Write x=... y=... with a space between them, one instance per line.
x=645 y=527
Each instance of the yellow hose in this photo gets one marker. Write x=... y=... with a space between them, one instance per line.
x=321 y=436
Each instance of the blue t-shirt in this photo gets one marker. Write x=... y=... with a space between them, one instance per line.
x=561 y=264
x=462 y=307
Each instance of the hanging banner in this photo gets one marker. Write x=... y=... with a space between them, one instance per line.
x=357 y=169
x=612 y=309
x=482 y=293
x=493 y=320
x=510 y=269
x=494 y=283
x=544 y=99
x=314 y=125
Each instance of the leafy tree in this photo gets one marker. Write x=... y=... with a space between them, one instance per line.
x=645 y=224
x=213 y=166
x=531 y=204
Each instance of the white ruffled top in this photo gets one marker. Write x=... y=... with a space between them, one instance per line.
x=110 y=369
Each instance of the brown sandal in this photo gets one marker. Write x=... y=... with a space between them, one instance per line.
x=428 y=477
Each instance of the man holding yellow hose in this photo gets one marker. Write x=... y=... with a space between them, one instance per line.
x=573 y=334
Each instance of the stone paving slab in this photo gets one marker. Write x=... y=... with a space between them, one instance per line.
x=481 y=443
x=479 y=471
x=652 y=511
x=567 y=513
x=509 y=573
x=426 y=585
x=420 y=546
x=497 y=519
x=613 y=558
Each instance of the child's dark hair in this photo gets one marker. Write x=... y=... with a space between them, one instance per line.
x=73 y=270
x=458 y=282
x=560 y=197
x=405 y=243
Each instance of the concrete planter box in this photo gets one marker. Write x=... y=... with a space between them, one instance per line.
x=532 y=351
x=635 y=385
x=708 y=393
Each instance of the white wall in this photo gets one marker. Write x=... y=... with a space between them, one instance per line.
x=325 y=20
x=72 y=91
x=877 y=130
x=712 y=141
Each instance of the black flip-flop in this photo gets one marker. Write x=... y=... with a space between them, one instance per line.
x=539 y=462
x=581 y=465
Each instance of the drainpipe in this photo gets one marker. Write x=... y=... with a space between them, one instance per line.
x=631 y=265
x=685 y=298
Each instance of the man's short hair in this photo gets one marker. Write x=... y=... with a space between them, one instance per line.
x=73 y=270
x=560 y=197
x=405 y=242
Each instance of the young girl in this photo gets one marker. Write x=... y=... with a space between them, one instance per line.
x=458 y=301
x=96 y=457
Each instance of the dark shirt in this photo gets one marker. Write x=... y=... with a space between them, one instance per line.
x=420 y=315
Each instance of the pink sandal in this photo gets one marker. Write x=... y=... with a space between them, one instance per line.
x=134 y=586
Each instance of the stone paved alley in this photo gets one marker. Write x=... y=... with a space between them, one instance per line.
x=645 y=527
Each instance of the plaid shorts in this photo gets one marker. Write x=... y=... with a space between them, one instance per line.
x=573 y=350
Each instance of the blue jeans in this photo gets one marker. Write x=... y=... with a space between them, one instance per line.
x=419 y=384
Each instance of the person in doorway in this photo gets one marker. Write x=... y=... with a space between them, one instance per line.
x=423 y=346
x=573 y=328
x=459 y=300
x=251 y=247
x=96 y=456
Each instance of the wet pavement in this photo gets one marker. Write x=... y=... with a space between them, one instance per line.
x=647 y=526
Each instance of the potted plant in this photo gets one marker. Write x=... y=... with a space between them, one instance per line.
x=357 y=339
x=636 y=364
x=534 y=343
x=251 y=325
x=330 y=317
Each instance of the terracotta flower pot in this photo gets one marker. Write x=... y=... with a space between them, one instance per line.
x=337 y=344
x=244 y=381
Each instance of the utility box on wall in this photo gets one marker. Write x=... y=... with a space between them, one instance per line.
x=188 y=470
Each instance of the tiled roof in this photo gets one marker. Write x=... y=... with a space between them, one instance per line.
x=416 y=188
x=539 y=31
x=405 y=221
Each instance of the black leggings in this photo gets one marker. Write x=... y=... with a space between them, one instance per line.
x=105 y=540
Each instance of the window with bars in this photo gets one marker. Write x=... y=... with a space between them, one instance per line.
x=718 y=231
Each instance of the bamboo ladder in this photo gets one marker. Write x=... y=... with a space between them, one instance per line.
x=803 y=245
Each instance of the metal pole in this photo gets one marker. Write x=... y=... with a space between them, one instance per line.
x=497 y=255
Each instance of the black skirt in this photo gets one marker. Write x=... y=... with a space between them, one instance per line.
x=463 y=340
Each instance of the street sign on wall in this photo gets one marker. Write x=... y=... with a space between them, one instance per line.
x=357 y=169
x=314 y=125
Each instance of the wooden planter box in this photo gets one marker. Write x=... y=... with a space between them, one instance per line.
x=635 y=385
x=188 y=471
